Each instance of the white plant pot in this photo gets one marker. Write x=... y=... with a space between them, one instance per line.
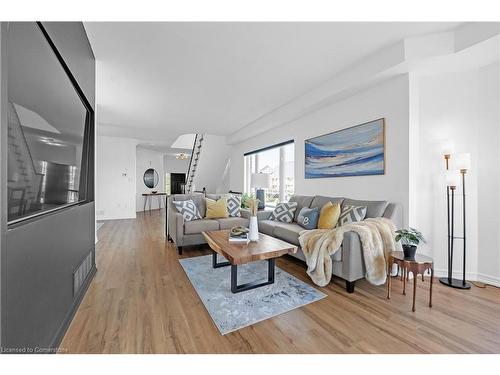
x=253 y=229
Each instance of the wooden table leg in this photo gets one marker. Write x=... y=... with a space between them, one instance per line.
x=414 y=291
x=430 y=289
x=145 y=200
x=404 y=271
x=389 y=268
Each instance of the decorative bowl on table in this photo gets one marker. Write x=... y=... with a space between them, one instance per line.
x=154 y=191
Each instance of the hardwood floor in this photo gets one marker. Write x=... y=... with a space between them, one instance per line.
x=141 y=301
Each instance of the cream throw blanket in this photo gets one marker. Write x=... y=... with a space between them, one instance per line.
x=377 y=241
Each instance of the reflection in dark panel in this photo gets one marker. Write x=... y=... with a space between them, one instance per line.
x=46 y=129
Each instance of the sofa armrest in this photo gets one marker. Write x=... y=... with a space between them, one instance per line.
x=176 y=227
x=261 y=215
x=352 y=257
x=394 y=211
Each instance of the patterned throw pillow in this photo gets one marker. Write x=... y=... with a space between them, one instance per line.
x=187 y=209
x=308 y=218
x=233 y=205
x=284 y=212
x=351 y=214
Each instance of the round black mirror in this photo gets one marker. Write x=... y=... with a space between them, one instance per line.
x=151 y=178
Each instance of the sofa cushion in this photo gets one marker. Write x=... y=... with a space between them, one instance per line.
x=198 y=226
x=197 y=198
x=302 y=201
x=319 y=201
x=216 y=209
x=373 y=208
x=267 y=226
x=288 y=232
x=308 y=218
x=351 y=214
x=329 y=216
x=284 y=212
x=234 y=205
x=230 y=222
x=214 y=197
x=187 y=209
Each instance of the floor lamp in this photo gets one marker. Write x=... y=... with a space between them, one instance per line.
x=452 y=180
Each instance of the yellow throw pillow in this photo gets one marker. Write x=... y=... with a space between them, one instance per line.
x=216 y=209
x=329 y=215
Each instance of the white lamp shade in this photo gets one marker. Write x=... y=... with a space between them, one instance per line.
x=261 y=180
x=447 y=147
x=452 y=177
x=463 y=161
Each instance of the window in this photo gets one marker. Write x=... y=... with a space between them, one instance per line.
x=49 y=128
x=278 y=162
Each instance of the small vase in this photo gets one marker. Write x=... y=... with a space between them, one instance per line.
x=253 y=229
x=409 y=251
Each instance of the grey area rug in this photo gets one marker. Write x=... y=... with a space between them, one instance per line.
x=231 y=312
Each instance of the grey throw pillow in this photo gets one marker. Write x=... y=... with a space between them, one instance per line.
x=351 y=214
x=233 y=205
x=308 y=218
x=284 y=212
x=187 y=209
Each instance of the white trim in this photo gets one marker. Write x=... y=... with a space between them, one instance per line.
x=487 y=279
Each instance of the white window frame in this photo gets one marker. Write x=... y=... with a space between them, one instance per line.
x=251 y=164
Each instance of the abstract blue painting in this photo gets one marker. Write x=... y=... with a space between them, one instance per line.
x=356 y=151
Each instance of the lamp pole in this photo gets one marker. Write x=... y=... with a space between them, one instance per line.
x=465 y=285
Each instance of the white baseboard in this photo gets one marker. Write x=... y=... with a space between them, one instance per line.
x=469 y=276
x=488 y=279
x=120 y=217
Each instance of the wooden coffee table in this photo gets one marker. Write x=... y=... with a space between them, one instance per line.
x=266 y=248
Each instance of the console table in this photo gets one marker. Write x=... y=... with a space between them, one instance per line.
x=148 y=197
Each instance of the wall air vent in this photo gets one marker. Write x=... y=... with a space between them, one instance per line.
x=82 y=272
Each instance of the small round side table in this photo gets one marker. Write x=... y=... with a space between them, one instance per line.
x=417 y=266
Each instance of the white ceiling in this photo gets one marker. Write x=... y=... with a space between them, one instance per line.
x=156 y=81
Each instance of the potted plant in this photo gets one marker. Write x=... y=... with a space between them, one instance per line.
x=245 y=200
x=410 y=239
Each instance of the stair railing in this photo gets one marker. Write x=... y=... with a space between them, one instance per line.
x=188 y=184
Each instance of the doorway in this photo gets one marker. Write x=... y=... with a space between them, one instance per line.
x=177 y=183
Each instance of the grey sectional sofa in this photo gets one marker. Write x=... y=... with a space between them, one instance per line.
x=189 y=232
x=348 y=262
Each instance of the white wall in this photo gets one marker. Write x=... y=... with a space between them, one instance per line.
x=463 y=107
x=213 y=166
x=173 y=165
x=115 y=178
x=148 y=159
x=389 y=100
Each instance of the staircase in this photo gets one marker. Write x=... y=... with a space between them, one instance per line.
x=24 y=183
x=193 y=164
